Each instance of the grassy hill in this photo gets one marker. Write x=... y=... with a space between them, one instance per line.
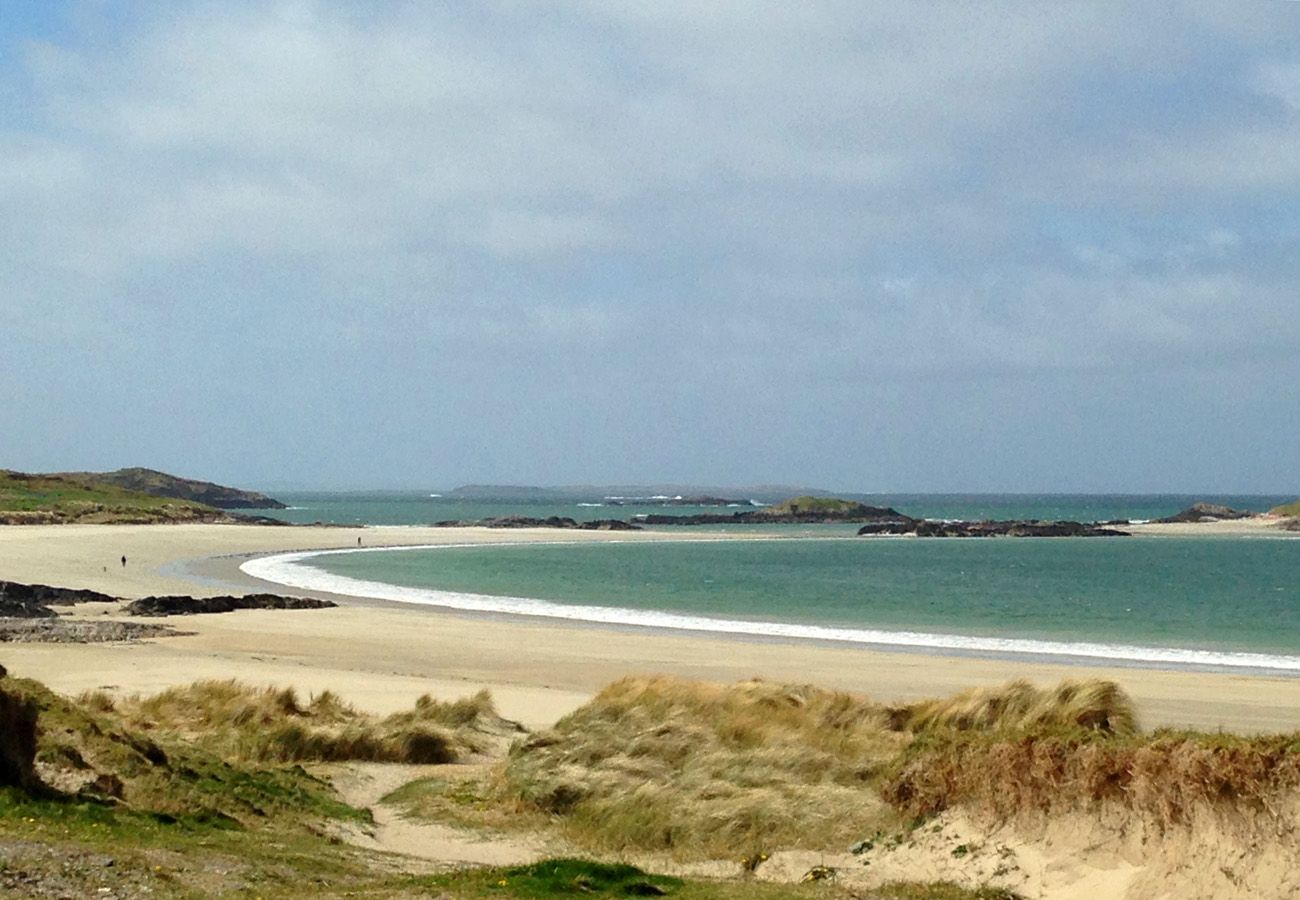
x=57 y=499
x=160 y=484
x=1286 y=509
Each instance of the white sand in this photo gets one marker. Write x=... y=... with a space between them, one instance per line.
x=382 y=656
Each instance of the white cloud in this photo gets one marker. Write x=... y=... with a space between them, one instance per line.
x=765 y=190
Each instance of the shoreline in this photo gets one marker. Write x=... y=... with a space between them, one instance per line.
x=382 y=655
x=293 y=570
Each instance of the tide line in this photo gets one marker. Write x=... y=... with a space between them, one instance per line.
x=294 y=570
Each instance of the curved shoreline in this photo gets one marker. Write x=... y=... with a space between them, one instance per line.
x=381 y=655
x=288 y=569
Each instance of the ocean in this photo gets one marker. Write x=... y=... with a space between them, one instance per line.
x=1228 y=602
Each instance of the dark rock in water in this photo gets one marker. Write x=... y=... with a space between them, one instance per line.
x=793 y=515
x=704 y=500
x=533 y=522
x=1011 y=528
x=529 y=522
x=891 y=526
x=187 y=606
x=608 y=525
x=1206 y=512
x=17 y=741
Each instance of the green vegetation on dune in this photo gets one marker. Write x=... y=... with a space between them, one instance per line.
x=274 y=725
x=54 y=499
x=555 y=878
x=711 y=770
x=196 y=791
x=1286 y=509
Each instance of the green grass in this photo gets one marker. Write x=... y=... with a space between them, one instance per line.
x=274 y=725
x=724 y=771
x=558 y=878
x=52 y=498
x=161 y=775
x=1286 y=509
x=805 y=505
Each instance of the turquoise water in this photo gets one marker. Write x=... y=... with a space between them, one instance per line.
x=1211 y=594
x=419 y=508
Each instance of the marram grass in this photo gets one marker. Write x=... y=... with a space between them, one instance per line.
x=707 y=770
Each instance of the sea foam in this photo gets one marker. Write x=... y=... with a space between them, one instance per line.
x=294 y=570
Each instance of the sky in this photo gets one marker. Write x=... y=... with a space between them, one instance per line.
x=868 y=246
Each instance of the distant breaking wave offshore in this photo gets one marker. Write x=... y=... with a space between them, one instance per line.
x=292 y=570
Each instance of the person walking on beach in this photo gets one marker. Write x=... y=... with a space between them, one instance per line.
x=124 y=562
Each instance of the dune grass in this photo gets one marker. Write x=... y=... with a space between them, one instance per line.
x=703 y=770
x=275 y=725
x=1164 y=778
x=710 y=770
x=1018 y=706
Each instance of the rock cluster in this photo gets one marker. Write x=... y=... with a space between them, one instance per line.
x=1009 y=528
x=533 y=522
x=1206 y=512
x=188 y=606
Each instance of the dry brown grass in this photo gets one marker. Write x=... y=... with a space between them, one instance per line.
x=1019 y=706
x=705 y=770
x=275 y=724
x=1165 y=778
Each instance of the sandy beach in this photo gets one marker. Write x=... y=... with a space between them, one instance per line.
x=381 y=656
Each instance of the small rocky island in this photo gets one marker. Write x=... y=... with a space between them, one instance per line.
x=795 y=511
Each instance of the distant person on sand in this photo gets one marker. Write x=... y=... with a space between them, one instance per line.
x=124 y=562
x=358 y=542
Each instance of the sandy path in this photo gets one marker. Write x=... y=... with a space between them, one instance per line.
x=364 y=785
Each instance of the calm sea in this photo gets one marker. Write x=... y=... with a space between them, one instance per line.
x=1231 y=602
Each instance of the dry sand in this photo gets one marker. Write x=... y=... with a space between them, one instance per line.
x=381 y=656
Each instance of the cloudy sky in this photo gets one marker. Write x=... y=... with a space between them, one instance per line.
x=939 y=246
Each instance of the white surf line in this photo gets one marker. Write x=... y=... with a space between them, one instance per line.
x=292 y=570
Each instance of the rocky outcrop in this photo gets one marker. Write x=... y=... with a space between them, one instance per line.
x=188 y=606
x=534 y=522
x=676 y=501
x=45 y=595
x=33 y=601
x=797 y=511
x=1206 y=512
x=1009 y=528
x=61 y=630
